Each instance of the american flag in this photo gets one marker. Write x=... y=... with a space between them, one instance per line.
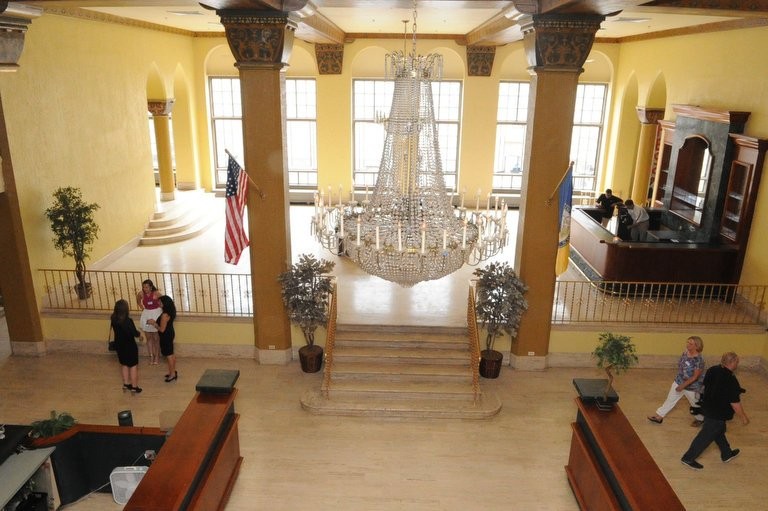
x=235 y=237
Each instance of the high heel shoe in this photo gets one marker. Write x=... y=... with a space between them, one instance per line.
x=169 y=379
x=126 y=386
x=136 y=390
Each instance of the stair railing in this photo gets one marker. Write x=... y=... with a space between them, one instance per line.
x=474 y=341
x=330 y=339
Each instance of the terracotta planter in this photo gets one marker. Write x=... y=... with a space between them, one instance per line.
x=490 y=363
x=311 y=358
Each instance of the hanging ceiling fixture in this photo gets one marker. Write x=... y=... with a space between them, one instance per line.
x=409 y=231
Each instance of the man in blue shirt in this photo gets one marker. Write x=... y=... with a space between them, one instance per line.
x=722 y=398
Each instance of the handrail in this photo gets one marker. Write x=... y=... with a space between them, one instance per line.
x=474 y=341
x=330 y=340
x=209 y=294
x=575 y=302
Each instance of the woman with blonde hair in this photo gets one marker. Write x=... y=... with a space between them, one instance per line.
x=688 y=381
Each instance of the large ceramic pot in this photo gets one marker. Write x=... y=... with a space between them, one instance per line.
x=490 y=363
x=311 y=358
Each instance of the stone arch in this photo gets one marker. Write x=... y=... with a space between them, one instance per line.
x=184 y=134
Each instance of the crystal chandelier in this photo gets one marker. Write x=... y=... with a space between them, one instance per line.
x=409 y=230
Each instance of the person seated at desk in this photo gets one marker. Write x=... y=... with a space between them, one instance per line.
x=640 y=219
x=606 y=201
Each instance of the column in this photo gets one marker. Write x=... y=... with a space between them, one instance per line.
x=556 y=48
x=161 y=117
x=649 y=118
x=16 y=282
x=261 y=42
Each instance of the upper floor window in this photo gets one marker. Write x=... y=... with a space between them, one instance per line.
x=372 y=100
x=588 y=119
x=301 y=128
x=511 y=124
x=301 y=132
x=227 y=120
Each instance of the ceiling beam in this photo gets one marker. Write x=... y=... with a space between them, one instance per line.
x=316 y=28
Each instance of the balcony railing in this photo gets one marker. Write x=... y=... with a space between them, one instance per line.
x=207 y=294
x=658 y=303
x=576 y=302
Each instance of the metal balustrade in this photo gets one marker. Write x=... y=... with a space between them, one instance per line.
x=658 y=303
x=576 y=302
x=207 y=294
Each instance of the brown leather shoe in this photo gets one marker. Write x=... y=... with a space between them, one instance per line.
x=656 y=419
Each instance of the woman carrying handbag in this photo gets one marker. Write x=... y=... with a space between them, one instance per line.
x=125 y=345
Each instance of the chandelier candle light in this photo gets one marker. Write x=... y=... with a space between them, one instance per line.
x=409 y=231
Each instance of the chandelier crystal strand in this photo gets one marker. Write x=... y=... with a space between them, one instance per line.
x=409 y=231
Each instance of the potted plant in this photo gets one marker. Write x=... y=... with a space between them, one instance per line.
x=500 y=304
x=614 y=353
x=74 y=230
x=55 y=424
x=306 y=290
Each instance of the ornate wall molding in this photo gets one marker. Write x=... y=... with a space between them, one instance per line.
x=160 y=106
x=560 y=41
x=14 y=20
x=480 y=60
x=259 y=37
x=330 y=58
x=649 y=115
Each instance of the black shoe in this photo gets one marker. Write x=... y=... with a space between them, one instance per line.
x=695 y=465
x=126 y=386
x=168 y=378
x=734 y=453
x=136 y=390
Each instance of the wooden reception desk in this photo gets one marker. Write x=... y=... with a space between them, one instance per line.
x=609 y=468
x=198 y=464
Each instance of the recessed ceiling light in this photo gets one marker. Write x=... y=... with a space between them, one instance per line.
x=186 y=13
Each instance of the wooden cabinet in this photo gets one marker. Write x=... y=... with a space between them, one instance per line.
x=665 y=139
x=741 y=191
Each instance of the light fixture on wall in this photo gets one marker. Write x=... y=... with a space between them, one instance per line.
x=409 y=231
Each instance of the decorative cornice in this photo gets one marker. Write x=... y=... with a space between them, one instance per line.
x=649 y=115
x=88 y=15
x=730 y=117
x=480 y=60
x=259 y=37
x=718 y=26
x=160 y=106
x=330 y=58
x=559 y=41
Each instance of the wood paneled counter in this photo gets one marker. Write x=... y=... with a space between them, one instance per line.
x=627 y=261
x=198 y=464
x=609 y=468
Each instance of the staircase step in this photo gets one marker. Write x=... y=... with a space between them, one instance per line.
x=400 y=372
x=400 y=390
x=363 y=405
x=183 y=218
x=409 y=340
x=379 y=330
x=185 y=234
x=387 y=355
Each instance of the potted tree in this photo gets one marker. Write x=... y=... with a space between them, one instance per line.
x=614 y=353
x=74 y=231
x=499 y=306
x=306 y=291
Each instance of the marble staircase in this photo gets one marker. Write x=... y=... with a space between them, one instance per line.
x=401 y=371
x=185 y=217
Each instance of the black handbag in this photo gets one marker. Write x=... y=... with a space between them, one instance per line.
x=111 y=345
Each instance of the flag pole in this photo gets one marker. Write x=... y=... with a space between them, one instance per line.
x=554 y=192
x=258 y=190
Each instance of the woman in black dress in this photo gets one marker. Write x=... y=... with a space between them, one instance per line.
x=125 y=343
x=165 y=327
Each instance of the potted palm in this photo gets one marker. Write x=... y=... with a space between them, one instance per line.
x=614 y=354
x=74 y=231
x=499 y=305
x=306 y=291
